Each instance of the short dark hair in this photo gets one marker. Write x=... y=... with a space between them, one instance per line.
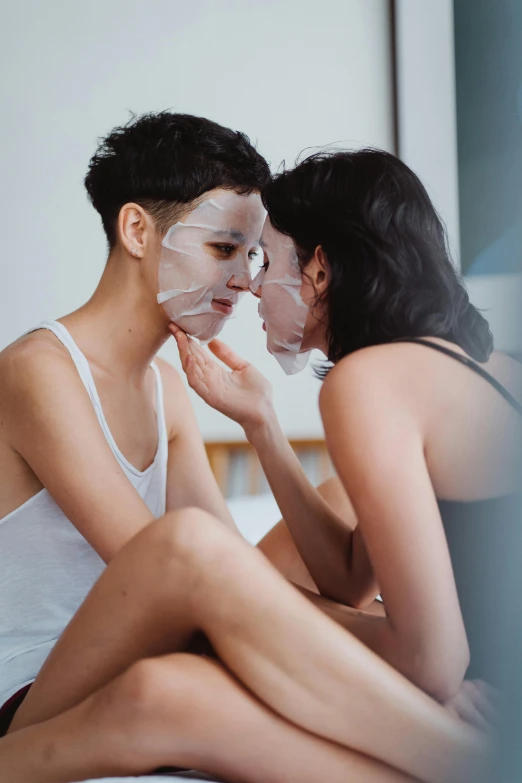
x=164 y=160
x=386 y=247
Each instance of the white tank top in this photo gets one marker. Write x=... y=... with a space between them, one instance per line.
x=46 y=566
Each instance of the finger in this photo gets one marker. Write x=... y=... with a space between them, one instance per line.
x=196 y=380
x=183 y=339
x=197 y=370
x=192 y=345
x=488 y=690
x=470 y=714
x=183 y=344
x=187 y=348
x=200 y=355
x=193 y=372
x=183 y=348
x=193 y=369
x=486 y=699
x=226 y=355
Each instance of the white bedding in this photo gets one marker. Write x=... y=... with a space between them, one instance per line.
x=254 y=516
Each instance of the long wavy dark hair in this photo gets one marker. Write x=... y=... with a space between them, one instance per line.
x=391 y=274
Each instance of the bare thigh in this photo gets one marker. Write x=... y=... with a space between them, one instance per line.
x=186 y=573
x=182 y=711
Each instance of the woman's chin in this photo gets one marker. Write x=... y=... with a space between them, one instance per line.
x=204 y=327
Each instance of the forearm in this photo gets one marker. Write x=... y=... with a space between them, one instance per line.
x=377 y=632
x=333 y=553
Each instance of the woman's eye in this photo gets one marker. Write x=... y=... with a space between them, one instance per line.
x=225 y=249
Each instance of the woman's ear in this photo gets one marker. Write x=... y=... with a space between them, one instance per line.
x=317 y=271
x=134 y=229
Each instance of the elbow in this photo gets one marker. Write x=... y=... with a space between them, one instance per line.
x=441 y=675
x=436 y=668
x=440 y=685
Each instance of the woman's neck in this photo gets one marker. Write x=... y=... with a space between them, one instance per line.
x=121 y=327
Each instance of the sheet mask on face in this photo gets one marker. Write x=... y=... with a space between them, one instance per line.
x=193 y=272
x=281 y=307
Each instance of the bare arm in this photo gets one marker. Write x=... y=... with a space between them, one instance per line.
x=325 y=541
x=376 y=442
x=49 y=421
x=331 y=547
x=190 y=481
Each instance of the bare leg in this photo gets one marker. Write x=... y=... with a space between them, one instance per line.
x=187 y=572
x=179 y=710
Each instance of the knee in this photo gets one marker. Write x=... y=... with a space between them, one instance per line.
x=156 y=693
x=190 y=537
x=152 y=697
x=138 y=691
x=129 y=701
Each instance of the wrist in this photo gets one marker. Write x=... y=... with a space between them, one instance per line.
x=266 y=423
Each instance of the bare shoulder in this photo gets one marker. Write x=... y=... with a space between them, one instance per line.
x=508 y=371
x=173 y=386
x=31 y=363
x=369 y=372
x=39 y=384
x=169 y=375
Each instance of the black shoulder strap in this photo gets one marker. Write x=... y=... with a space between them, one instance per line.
x=472 y=366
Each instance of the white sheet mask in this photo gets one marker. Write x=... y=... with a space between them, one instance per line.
x=281 y=307
x=193 y=272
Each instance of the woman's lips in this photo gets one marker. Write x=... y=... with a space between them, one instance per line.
x=224 y=306
x=264 y=327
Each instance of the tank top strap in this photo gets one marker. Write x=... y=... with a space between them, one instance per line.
x=160 y=408
x=80 y=362
x=86 y=376
x=467 y=362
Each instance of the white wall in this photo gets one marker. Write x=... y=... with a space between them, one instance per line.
x=291 y=73
x=427 y=112
x=499 y=296
x=427 y=125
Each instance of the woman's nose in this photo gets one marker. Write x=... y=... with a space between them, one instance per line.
x=241 y=282
x=256 y=290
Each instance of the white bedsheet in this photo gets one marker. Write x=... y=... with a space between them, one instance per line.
x=254 y=515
